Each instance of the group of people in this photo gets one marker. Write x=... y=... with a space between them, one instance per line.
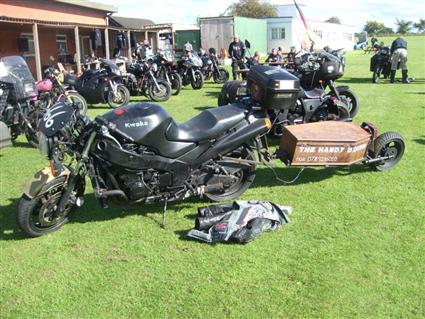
x=237 y=51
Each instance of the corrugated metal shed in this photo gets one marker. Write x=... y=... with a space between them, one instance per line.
x=217 y=32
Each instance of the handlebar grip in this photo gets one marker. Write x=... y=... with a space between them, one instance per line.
x=112 y=127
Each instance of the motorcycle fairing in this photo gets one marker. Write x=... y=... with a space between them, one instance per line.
x=56 y=118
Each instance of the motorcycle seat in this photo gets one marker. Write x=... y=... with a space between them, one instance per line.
x=312 y=94
x=208 y=124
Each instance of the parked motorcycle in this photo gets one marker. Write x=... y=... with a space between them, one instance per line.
x=380 y=64
x=139 y=154
x=189 y=69
x=140 y=79
x=313 y=103
x=211 y=69
x=100 y=86
x=166 y=71
x=51 y=90
x=18 y=111
x=318 y=71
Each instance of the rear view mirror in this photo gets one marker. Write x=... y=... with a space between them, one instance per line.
x=247 y=44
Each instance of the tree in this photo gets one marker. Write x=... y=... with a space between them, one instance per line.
x=375 y=27
x=403 y=26
x=334 y=19
x=252 y=8
x=420 y=26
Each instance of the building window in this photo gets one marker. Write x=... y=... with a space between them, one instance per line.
x=347 y=36
x=61 y=44
x=319 y=33
x=29 y=49
x=278 y=33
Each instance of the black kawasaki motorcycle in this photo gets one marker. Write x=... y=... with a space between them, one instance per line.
x=189 y=69
x=212 y=69
x=138 y=154
x=19 y=110
x=100 y=86
x=140 y=79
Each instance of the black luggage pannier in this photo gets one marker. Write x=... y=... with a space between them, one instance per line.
x=272 y=87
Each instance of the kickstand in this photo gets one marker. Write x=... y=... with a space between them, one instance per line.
x=164 y=211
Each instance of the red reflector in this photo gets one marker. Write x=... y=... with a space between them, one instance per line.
x=119 y=111
x=52 y=168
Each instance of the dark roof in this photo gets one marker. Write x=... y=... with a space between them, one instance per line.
x=90 y=4
x=129 y=23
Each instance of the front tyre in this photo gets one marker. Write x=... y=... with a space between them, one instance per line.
x=221 y=76
x=121 y=98
x=77 y=101
x=176 y=83
x=350 y=100
x=160 y=92
x=198 y=81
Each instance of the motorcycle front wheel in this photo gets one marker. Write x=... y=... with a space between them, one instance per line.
x=36 y=216
x=121 y=98
x=198 y=81
x=159 y=93
x=221 y=76
x=176 y=83
x=77 y=101
x=244 y=177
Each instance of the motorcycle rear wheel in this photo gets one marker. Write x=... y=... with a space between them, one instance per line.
x=350 y=99
x=245 y=177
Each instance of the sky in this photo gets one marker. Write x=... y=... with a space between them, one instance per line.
x=354 y=12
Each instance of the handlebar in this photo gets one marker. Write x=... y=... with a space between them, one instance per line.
x=112 y=127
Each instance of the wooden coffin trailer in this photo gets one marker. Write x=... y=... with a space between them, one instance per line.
x=334 y=143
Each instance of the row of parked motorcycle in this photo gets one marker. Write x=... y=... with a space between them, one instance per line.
x=23 y=101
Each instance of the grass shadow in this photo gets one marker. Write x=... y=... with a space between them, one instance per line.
x=92 y=212
x=420 y=140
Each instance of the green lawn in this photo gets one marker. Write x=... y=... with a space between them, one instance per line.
x=354 y=248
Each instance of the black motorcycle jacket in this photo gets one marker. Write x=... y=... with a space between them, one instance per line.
x=237 y=50
x=398 y=43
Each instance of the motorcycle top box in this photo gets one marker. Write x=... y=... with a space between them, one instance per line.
x=272 y=87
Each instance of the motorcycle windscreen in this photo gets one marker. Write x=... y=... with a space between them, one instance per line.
x=196 y=60
x=14 y=70
x=112 y=66
x=55 y=119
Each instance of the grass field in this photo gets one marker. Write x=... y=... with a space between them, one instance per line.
x=354 y=247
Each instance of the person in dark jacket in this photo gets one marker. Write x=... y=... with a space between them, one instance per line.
x=274 y=57
x=399 y=54
x=237 y=51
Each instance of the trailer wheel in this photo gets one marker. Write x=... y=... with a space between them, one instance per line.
x=388 y=144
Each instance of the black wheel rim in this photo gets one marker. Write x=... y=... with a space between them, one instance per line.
x=392 y=149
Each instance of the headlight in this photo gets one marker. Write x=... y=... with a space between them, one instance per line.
x=43 y=144
x=154 y=67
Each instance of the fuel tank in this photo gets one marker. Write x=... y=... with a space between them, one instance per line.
x=139 y=119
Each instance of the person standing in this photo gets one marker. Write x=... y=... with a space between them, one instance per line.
x=237 y=51
x=399 y=54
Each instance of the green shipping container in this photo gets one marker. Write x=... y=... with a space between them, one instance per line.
x=182 y=36
x=253 y=30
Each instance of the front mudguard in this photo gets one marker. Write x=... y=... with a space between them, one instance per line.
x=40 y=183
